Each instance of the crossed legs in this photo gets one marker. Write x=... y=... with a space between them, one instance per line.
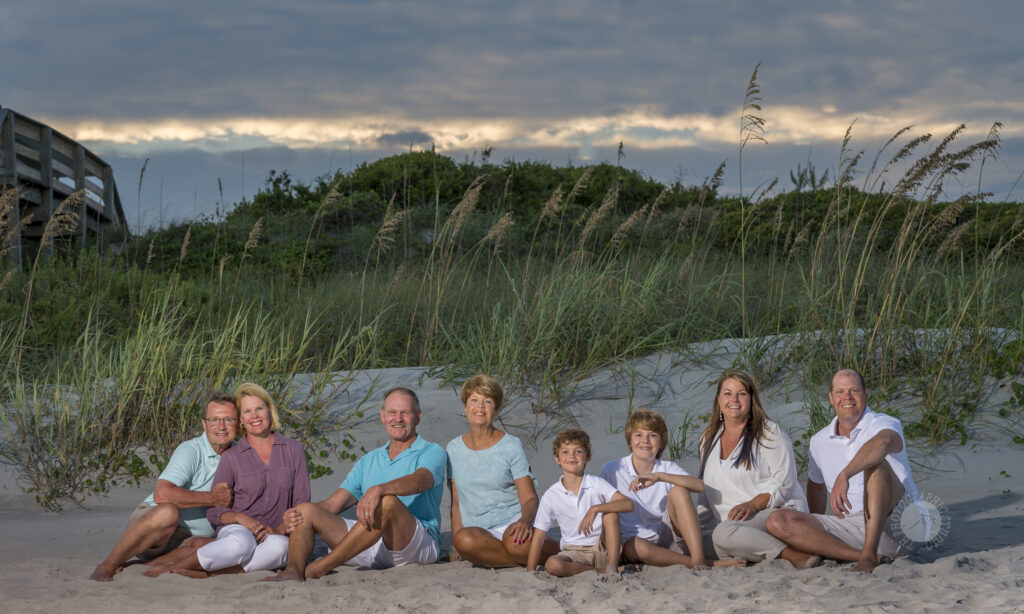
x=393 y=523
x=807 y=538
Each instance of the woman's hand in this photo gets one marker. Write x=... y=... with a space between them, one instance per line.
x=520 y=532
x=743 y=511
x=259 y=530
x=643 y=481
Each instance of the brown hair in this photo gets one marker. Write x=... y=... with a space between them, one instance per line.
x=486 y=386
x=249 y=389
x=753 y=432
x=572 y=436
x=649 y=421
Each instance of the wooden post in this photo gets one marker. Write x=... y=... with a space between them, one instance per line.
x=79 y=185
x=10 y=177
x=46 y=176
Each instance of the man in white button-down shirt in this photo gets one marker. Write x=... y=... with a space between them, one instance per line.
x=859 y=466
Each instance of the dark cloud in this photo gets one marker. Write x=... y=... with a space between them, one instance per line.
x=408 y=138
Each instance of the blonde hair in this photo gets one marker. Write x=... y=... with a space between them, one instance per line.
x=649 y=421
x=486 y=386
x=249 y=389
x=572 y=436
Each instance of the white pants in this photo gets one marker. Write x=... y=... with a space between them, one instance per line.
x=236 y=545
x=747 y=539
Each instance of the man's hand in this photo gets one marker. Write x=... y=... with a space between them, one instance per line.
x=366 y=509
x=837 y=499
x=291 y=519
x=221 y=495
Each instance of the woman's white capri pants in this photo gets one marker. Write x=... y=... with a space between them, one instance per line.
x=236 y=545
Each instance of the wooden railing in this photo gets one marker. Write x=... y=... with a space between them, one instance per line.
x=48 y=167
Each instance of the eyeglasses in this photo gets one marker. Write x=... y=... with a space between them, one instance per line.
x=224 y=421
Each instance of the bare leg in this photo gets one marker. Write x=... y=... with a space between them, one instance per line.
x=393 y=523
x=882 y=491
x=315 y=521
x=153 y=529
x=563 y=568
x=686 y=524
x=520 y=552
x=479 y=547
x=611 y=533
x=187 y=547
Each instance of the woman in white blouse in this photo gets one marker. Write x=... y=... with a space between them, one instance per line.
x=748 y=469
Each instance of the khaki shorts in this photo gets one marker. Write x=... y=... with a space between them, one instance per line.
x=850 y=531
x=180 y=535
x=593 y=556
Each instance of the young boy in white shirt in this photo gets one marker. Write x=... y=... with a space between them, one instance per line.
x=656 y=486
x=586 y=509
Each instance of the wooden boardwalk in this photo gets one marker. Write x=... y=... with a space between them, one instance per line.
x=49 y=167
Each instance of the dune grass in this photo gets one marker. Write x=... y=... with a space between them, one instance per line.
x=102 y=378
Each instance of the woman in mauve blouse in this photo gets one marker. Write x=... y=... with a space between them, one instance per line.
x=268 y=475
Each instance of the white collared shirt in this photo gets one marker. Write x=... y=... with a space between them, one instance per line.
x=560 y=506
x=830 y=453
x=649 y=503
x=773 y=472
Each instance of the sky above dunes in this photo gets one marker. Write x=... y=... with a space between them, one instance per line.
x=212 y=91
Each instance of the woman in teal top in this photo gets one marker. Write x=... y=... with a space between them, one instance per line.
x=494 y=499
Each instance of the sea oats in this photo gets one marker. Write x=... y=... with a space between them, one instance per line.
x=499 y=230
x=465 y=207
x=553 y=205
x=7 y=279
x=952 y=240
x=581 y=184
x=800 y=239
x=184 y=245
x=254 y=236
x=63 y=220
x=385 y=236
x=149 y=254
x=625 y=227
x=606 y=206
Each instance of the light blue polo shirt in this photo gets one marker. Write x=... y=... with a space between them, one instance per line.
x=376 y=467
x=192 y=467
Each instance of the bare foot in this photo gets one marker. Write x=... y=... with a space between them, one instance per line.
x=630 y=567
x=285 y=575
x=156 y=570
x=799 y=559
x=103 y=574
x=700 y=564
x=867 y=565
x=316 y=570
x=191 y=573
x=727 y=563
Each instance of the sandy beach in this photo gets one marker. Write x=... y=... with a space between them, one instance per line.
x=977 y=565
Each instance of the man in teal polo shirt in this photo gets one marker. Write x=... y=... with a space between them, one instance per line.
x=177 y=508
x=397 y=493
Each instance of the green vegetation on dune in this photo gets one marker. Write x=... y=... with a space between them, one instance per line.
x=539 y=275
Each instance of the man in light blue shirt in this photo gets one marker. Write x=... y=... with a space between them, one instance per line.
x=397 y=493
x=177 y=508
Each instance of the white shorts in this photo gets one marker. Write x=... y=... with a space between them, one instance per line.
x=499 y=532
x=421 y=549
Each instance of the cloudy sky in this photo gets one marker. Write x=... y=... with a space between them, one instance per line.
x=215 y=90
